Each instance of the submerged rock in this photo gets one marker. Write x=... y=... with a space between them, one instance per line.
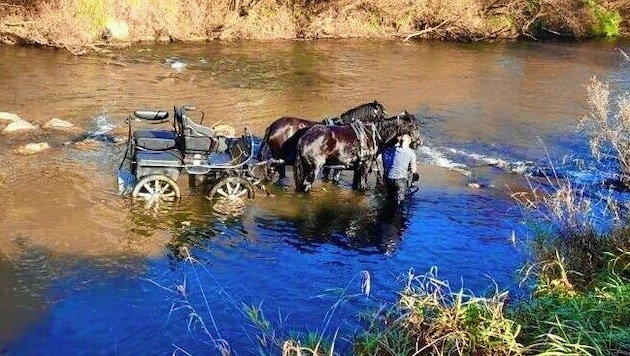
x=88 y=144
x=19 y=125
x=59 y=124
x=225 y=130
x=32 y=148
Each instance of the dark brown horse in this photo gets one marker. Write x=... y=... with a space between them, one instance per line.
x=282 y=135
x=354 y=146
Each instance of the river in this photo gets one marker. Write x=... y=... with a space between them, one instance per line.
x=85 y=271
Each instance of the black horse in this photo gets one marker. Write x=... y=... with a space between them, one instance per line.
x=354 y=146
x=282 y=135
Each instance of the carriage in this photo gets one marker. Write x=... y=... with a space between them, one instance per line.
x=156 y=157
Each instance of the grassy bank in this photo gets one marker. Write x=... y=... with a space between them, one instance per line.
x=81 y=24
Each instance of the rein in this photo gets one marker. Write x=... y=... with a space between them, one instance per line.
x=360 y=130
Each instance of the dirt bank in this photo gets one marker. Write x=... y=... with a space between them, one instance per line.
x=81 y=25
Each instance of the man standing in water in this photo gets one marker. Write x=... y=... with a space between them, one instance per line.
x=398 y=162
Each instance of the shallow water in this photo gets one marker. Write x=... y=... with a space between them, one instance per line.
x=86 y=271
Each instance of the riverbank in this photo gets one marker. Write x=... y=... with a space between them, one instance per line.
x=83 y=25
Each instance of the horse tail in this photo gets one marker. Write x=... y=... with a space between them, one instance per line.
x=263 y=153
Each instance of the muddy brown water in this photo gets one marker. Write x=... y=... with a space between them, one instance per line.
x=63 y=225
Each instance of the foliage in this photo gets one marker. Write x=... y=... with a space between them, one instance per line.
x=92 y=12
x=80 y=24
x=609 y=131
x=430 y=318
x=593 y=321
x=607 y=21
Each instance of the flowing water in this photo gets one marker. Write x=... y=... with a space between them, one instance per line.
x=85 y=271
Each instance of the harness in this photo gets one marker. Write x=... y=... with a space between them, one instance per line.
x=329 y=122
x=366 y=133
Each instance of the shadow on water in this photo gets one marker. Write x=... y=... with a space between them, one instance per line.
x=349 y=220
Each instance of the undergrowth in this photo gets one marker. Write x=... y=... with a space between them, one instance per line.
x=80 y=24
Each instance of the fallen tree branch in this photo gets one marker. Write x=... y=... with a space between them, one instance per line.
x=426 y=30
x=624 y=54
x=21 y=23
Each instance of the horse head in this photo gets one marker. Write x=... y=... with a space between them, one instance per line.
x=369 y=112
x=408 y=124
x=393 y=127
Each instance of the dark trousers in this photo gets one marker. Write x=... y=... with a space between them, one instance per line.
x=396 y=189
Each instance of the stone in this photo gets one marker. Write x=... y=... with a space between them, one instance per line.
x=58 y=124
x=225 y=130
x=116 y=30
x=32 y=148
x=19 y=126
x=7 y=116
x=89 y=144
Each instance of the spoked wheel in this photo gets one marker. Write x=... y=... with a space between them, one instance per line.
x=230 y=194
x=232 y=188
x=156 y=191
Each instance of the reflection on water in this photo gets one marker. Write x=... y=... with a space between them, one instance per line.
x=75 y=257
x=357 y=222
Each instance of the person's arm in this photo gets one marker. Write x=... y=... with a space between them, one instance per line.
x=414 y=168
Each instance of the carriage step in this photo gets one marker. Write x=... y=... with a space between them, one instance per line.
x=338 y=166
x=195 y=169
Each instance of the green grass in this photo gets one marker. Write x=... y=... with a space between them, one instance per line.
x=430 y=318
x=607 y=22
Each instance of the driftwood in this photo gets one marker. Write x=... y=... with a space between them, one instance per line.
x=426 y=30
x=623 y=54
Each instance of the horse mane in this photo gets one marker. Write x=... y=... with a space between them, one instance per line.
x=365 y=112
x=393 y=126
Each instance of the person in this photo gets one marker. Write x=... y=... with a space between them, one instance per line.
x=397 y=163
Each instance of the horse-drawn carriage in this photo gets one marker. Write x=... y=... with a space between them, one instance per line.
x=351 y=142
x=155 y=158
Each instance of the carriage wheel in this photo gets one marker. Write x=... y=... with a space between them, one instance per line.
x=156 y=189
x=232 y=188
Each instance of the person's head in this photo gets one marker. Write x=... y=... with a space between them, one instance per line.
x=405 y=140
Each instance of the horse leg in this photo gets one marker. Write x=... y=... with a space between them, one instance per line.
x=336 y=175
x=377 y=165
x=298 y=175
x=356 y=178
x=326 y=173
x=282 y=171
x=312 y=176
x=359 y=178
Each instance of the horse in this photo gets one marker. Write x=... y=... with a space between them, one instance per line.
x=282 y=135
x=354 y=146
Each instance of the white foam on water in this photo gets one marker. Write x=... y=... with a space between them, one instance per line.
x=482 y=159
x=176 y=64
x=437 y=158
x=103 y=125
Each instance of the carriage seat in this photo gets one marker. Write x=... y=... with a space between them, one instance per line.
x=157 y=140
x=195 y=137
x=151 y=115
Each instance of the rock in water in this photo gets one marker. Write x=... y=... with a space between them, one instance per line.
x=19 y=126
x=32 y=148
x=58 y=124
x=7 y=116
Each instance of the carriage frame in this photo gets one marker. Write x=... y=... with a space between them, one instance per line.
x=156 y=158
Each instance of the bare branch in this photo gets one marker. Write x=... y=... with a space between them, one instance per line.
x=426 y=30
x=624 y=54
